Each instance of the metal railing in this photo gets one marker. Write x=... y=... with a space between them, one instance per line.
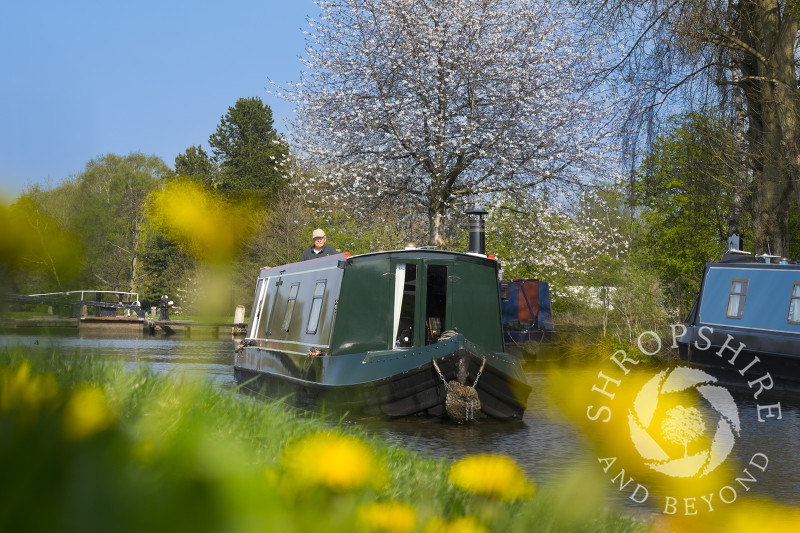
x=83 y=292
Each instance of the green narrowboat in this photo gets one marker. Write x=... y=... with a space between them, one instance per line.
x=397 y=333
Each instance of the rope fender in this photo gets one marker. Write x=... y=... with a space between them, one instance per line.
x=461 y=401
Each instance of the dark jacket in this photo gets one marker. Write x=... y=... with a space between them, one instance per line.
x=308 y=253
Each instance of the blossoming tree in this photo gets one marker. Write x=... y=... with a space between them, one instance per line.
x=557 y=243
x=430 y=104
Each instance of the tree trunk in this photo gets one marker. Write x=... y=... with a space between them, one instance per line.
x=771 y=91
x=742 y=177
x=436 y=237
x=137 y=225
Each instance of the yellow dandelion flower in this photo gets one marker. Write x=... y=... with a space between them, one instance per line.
x=24 y=393
x=86 y=413
x=336 y=461
x=386 y=517
x=494 y=476
x=462 y=524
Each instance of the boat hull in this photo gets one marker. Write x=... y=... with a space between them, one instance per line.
x=394 y=383
x=713 y=348
x=530 y=343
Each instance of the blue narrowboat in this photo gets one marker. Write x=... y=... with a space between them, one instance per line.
x=527 y=318
x=747 y=319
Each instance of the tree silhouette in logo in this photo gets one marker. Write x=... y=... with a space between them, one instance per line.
x=683 y=425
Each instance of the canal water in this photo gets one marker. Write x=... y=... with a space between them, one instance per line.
x=546 y=445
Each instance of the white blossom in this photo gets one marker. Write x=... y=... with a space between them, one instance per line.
x=440 y=102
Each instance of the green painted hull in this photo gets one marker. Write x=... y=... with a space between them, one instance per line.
x=390 y=383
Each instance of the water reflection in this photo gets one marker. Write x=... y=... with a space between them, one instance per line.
x=542 y=444
x=190 y=358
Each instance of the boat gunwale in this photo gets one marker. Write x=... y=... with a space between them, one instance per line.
x=416 y=357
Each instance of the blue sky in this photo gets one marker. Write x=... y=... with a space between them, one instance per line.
x=84 y=78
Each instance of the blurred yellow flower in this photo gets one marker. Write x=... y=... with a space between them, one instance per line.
x=336 y=461
x=203 y=222
x=762 y=515
x=463 y=524
x=493 y=476
x=745 y=516
x=26 y=394
x=33 y=241
x=386 y=517
x=86 y=413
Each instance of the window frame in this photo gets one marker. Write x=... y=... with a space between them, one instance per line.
x=290 y=303
x=741 y=295
x=316 y=306
x=792 y=299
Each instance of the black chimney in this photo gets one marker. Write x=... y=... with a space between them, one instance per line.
x=477 y=230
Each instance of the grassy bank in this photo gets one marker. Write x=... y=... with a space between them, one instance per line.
x=87 y=446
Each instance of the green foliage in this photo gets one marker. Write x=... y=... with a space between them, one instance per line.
x=637 y=302
x=35 y=252
x=196 y=163
x=251 y=156
x=114 y=190
x=164 y=266
x=103 y=208
x=685 y=188
x=279 y=236
x=793 y=9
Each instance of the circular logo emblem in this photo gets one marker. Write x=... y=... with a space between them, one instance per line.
x=652 y=425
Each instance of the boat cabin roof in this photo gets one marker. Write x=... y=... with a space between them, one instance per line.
x=750 y=294
x=377 y=301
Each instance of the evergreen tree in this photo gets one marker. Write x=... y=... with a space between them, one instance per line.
x=196 y=163
x=252 y=157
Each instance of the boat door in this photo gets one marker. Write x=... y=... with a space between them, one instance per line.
x=262 y=287
x=420 y=301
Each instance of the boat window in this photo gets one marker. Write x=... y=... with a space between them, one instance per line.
x=504 y=291
x=405 y=301
x=736 y=298
x=435 y=302
x=316 y=307
x=287 y=318
x=794 y=304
